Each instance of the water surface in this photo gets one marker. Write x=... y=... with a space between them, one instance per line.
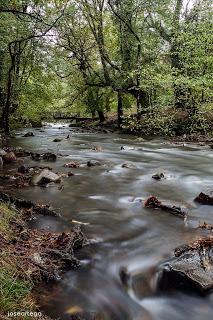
x=108 y=200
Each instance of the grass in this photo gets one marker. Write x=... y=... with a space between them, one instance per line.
x=15 y=292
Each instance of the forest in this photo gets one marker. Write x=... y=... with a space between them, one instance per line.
x=147 y=64
x=106 y=148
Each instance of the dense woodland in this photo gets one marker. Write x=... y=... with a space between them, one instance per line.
x=145 y=63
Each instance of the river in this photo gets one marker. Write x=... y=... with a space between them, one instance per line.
x=107 y=199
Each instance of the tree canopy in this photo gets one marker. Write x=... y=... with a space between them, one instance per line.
x=152 y=58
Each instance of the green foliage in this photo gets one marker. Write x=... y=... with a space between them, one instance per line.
x=170 y=122
x=74 y=58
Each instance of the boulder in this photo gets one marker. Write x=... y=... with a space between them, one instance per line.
x=191 y=268
x=203 y=198
x=29 y=134
x=93 y=163
x=44 y=177
x=48 y=156
x=153 y=203
x=9 y=157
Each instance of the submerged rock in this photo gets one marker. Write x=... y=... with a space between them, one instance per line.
x=190 y=269
x=153 y=203
x=204 y=199
x=44 y=177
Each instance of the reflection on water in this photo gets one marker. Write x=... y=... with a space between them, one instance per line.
x=108 y=199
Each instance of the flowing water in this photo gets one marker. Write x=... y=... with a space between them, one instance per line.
x=107 y=199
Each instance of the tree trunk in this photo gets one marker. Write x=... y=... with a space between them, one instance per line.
x=142 y=103
x=120 y=109
x=93 y=114
x=6 y=108
x=101 y=116
x=180 y=91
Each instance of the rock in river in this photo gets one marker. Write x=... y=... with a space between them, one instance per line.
x=28 y=134
x=191 y=269
x=204 y=199
x=48 y=156
x=72 y=164
x=153 y=203
x=158 y=176
x=9 y=157
x=93 y=163
x=128 y=165
x=2 y=153
x=44 y=177
x=23 y=169
x=57 y=140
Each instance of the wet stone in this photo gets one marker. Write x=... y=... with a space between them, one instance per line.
x=9 y=157
x=48 y=156
x=93 y=163
x=36 y=156
x=2 y=152
x=97 y=148
x=191 y=269
x=28 y=134
x=153 y=203
x=45 y=177
x=205 y=199
x=158 y=176
x=128 y=166
x=70 y=174
x=57 y=140
x=72 y=164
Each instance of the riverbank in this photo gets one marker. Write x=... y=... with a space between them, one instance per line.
x=29 y=257
x=111 y=127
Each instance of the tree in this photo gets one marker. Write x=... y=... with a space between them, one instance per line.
x=173 y=28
